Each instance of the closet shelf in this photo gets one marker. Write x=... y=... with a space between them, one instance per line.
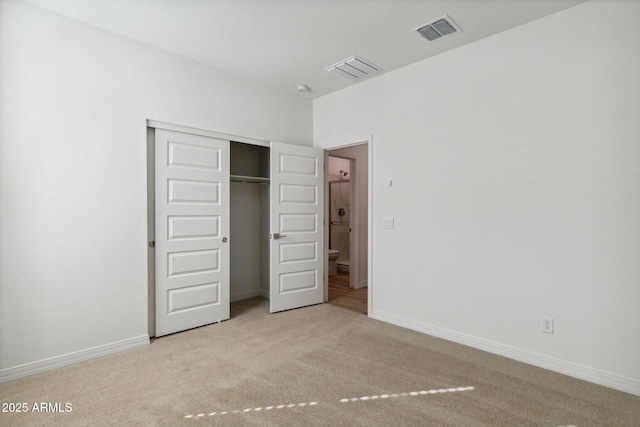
x=249 y=179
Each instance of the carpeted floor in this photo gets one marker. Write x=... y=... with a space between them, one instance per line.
x=320 y=365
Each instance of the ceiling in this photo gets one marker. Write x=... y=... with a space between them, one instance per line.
x=284 y=43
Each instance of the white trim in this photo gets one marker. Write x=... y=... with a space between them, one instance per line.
x=202 y=132
x=369 y=281
x=325 y=225
x=44 y=365
x=370 y=227
x=607 y=379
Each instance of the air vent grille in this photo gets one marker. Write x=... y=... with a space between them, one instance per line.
x=438 y=29
x=353 y=69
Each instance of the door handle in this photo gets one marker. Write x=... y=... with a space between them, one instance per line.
x=276 y=236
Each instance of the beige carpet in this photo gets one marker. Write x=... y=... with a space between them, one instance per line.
x=319 y=365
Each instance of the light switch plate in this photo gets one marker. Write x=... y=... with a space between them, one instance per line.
x=387 y=222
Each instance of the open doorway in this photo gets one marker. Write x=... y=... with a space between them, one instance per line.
x=347 y=215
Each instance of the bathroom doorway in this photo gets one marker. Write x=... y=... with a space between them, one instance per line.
x=347 y=214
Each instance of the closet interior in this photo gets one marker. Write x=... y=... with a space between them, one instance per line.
x=210 y=215
x=249 y=222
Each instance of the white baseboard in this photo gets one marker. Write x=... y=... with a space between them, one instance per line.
x=362 y=284
x=44 y=365
x=614 y=381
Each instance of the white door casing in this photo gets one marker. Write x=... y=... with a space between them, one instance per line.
x=192 y=225
x=296 y=223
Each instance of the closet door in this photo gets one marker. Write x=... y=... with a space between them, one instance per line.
x=297 y=245
x=192 y=222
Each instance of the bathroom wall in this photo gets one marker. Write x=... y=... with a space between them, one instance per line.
x=339 y=203
x=360 y=204
x=336 y=164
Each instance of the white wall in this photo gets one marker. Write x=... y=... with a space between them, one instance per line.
x=73 y=111
x=246 y=239
x=515 y=163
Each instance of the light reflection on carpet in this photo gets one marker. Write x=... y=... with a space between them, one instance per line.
x=257 y=409
x=406 y=394
x=346 y=400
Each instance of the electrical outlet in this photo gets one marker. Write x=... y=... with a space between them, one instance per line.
x=547 y=325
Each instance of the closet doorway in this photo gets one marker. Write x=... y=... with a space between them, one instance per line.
x=347 y=215
x=208 y=246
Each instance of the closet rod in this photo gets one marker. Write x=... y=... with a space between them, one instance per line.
x=249 y=179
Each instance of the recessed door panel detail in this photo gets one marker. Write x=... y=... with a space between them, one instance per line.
x=184 y=263
x=298 y=223
x=194 y=156
x=298 y=165
x=191 y=217
x=298 y=281
x=193 y=297
x=298 y=194
x=193 y=227
x=296 y=252
x=185 y=191
x=296 y=203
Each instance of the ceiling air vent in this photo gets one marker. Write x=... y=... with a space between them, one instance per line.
x=438 y=29
x=353 y=69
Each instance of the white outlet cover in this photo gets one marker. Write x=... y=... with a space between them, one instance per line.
x=547 y=325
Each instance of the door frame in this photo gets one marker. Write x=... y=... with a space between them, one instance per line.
x=370 y=281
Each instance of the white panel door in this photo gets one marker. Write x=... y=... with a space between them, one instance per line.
x=297 y=210
x=192 y=225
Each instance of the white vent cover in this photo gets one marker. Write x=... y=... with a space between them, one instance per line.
x=438 y=29
x=353 y=69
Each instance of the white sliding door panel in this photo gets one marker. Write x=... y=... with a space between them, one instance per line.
x=192 y=223
x=297 y=245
